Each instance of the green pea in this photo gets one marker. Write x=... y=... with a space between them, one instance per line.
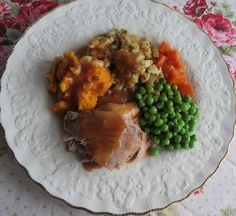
x=171 y=124
x=169 y=147
x=149 y=100
x=169 y=104
x=158 y=115
x=155 y=98
x=145 y=109
x=156 y=131
x=177 y=109
x=142 y=122
x=160 y=105
x=193 y=138
x=158 y=122
x=164 y=115
x=141 y=103
x=185 y=107
x=191 y=128
x=147 y=130
x=197 y=113
x=181 y=122
x=138 y=96
x=192 y=122
x=156 y=140
x=146 y=115
x=159 y=87
x=185 y=145
x=169 y=135
x=153 y=110
x=152 y=118
x=170 y=110
x=174 y=87
x=177 y=128
x=192 y=110
x=153 y=151
x=177 y=138
x=167 y=87
x=142 y=90
x=162 y=81
x=165 y=142
x=178 y=116
x=174 y=133
x=149 y=88
x=186 y=128
x=169 y=92
x=185 y=139
x=178 y=99
x=192 y=144
x=164 y=127
x=187 y=117
x=187 y=98
x=172 y=115
x=177 y=146
x=163 y=97
x=175 y=120
x=182 y=131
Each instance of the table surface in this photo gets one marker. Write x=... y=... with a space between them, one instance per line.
x=19 y=196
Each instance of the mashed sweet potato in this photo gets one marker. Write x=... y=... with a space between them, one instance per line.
x=78 y=82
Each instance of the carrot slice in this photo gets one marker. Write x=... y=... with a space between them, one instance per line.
x=186 y=89
x=167 y=68
x=173 y=55
x=176 y=77
x=164 y=47
x=179 y=65
x=161 y=60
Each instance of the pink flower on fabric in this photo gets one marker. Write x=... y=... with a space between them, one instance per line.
x=28 y=14
x=4 y=9
x=195 y=8
x=219 y=29
x=231 y=61
x=213 y=3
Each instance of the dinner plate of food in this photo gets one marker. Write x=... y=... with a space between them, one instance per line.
x=117 y=106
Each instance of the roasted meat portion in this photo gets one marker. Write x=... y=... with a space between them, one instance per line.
x=109 y=135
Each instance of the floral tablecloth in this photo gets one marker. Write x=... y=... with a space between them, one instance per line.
x=19 y=196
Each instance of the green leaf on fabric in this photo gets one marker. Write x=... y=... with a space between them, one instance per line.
x=234 y=23
x=225 y=5
x=12 y=34
x=230 y=51
x=2 y=151
x=219 y=11
x=14 y=11
x=224 y=9
x=228 y=211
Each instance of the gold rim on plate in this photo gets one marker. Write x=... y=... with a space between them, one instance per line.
x=151 y=210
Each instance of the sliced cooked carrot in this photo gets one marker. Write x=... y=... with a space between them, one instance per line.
x=164 y=47
x=176 y=77
x=167 y=68
x=186 y=89
x=161 y=60
x=173 y=55
x=179 y=65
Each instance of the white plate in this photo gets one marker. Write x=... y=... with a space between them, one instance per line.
x=35 y=135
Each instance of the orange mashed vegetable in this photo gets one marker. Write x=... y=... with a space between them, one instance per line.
x=77 y=82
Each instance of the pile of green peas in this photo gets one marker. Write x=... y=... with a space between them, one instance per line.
x=166 y=116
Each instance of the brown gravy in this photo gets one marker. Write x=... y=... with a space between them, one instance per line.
x=91 y=166
x=126 y=65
